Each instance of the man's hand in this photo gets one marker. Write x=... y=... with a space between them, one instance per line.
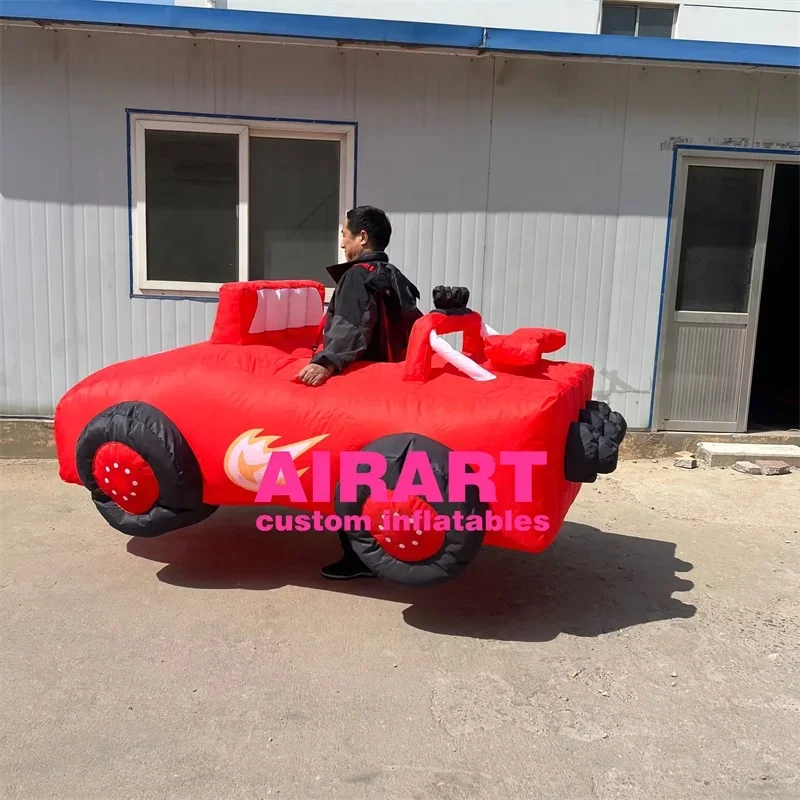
x=313 y=375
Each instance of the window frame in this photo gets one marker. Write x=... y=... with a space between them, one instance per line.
x=660 y=4
x=244 y=128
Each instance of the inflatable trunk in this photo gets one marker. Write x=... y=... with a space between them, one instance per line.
x=163 y=440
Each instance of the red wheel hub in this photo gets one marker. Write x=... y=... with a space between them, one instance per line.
x=394 y=527
x=125 y=477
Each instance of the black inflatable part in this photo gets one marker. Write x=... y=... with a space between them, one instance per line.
x=158 y=441
x=451 y=299
x=593 y=442
x=459 y=547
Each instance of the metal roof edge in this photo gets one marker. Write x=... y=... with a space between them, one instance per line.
x=402 y=33
x=642 y=48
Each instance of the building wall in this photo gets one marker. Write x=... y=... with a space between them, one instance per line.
x=578 y=16
x=761 y=22
x=754 y=21
x=542 y=185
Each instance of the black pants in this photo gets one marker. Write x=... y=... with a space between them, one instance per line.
x=348 y=553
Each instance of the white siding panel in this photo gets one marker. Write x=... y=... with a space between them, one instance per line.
x=553 y=196
x=714 y=22
x=542 y=186
x=701 y=105
x=33 y=311
x=66 y=302
x=778 y=122
x=283 y=81
x=578 y=16
x=423 y=152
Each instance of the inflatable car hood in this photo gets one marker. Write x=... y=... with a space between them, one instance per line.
x=199 y=423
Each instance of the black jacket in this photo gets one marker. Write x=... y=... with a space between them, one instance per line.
x=370 y=314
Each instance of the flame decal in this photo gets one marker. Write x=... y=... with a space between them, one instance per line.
x=249 y=454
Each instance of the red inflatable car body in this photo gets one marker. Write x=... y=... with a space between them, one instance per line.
x=162 y=440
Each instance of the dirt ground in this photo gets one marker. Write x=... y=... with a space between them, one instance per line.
x=651 y=652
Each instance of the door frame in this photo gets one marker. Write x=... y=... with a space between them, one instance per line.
x=684 y=157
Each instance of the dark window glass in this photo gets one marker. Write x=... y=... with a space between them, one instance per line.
x=719 y=235
x=656 y=22
x=294 y=208
x=619 y=20
x=192 y=197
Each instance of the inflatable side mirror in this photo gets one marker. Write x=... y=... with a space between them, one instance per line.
x=524 y=347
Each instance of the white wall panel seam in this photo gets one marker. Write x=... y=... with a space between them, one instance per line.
x=485 y=301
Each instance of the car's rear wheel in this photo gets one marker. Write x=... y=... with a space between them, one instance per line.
x=411 y=554
x=143 y=476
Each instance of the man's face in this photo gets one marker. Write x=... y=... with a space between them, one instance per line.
x=353 y=244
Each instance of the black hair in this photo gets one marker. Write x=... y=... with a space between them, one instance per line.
x=374 y=222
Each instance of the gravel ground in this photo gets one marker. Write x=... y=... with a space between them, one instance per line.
x=651 y=652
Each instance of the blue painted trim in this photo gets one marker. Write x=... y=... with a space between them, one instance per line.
x=206 y=115
x=643 y=48
x=355 y=169
x=663 y=284
x=409 y=34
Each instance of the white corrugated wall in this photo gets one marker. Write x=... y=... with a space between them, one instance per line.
x=542 y=186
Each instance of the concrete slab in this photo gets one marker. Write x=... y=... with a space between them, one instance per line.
x=662 y=444
x=747 y=467
x=685 y=460
x=772 y=467
x=725 y=454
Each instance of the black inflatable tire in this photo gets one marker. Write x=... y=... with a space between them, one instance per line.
x=580 y=457
x=150 y=433
x=593 y=443
x=458 y=548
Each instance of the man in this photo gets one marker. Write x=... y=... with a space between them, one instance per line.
x=369 y=318
x=372 y=309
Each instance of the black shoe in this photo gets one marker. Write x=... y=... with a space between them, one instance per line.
x=346 y=570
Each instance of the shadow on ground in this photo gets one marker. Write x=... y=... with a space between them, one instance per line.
x=587 y=583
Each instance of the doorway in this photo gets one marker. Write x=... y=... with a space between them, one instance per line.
x=729 y=356
x=775 y=393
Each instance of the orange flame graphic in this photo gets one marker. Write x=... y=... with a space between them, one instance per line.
x=249 y=454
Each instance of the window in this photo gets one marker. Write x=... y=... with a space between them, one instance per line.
x=635 y=20
x=214 y=202
x=718 y=241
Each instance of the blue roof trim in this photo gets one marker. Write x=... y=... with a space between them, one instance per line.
x=650 y=49
x=409 y=34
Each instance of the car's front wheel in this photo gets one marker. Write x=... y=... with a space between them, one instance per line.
x=143 y=476
x=413 y=554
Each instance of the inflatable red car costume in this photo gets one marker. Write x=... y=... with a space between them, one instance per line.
x=163 y=440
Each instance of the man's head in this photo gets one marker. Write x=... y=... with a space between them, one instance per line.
x=365 y=229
